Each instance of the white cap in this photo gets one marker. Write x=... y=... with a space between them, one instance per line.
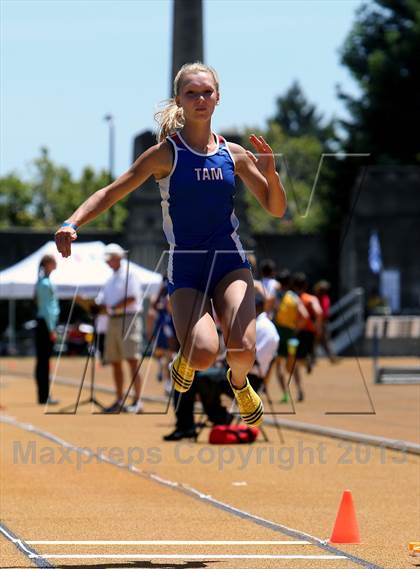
x=114 y=250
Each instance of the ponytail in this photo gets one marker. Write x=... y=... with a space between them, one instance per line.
x=170 y=117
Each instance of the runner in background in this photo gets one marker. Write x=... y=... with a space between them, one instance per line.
x=321 y=291
x=290 y=315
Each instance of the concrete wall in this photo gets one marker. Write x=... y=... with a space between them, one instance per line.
x=389 y=203
x=308 y=253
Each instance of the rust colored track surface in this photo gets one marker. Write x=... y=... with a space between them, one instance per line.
x=96 y=477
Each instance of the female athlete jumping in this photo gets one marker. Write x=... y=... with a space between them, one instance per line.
x=207 y=266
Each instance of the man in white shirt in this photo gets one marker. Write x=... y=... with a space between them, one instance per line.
x=121 y=297
x=267 y=342
x=270 y=284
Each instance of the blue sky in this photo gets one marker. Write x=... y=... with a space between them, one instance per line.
x=65 y=64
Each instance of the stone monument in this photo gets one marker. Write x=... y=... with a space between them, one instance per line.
x=143 y=229
x=145 y=238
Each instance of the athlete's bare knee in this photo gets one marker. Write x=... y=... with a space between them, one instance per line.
x=243 y=356
x=245 y=343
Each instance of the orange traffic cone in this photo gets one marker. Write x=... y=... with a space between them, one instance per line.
x=346 y=529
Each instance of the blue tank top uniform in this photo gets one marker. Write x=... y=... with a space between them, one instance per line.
x=199 y=220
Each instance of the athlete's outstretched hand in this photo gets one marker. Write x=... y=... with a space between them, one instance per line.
x=63 y=238
x=264 y=160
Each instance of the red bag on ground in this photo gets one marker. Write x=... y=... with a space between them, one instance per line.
x=232 y=434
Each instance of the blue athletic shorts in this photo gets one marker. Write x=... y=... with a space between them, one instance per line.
x=204 y=269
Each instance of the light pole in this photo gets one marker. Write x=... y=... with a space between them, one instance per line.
x=111 y=151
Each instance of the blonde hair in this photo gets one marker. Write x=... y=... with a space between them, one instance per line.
x=171 y=117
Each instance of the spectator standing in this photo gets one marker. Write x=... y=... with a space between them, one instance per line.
x=166 y=343
x=121 y=297
x=48 y=311
x=270 y=284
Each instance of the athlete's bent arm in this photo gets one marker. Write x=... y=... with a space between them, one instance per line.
x=260 y=176
x=155 y=161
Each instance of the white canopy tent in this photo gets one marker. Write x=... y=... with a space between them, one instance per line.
x=83 y=273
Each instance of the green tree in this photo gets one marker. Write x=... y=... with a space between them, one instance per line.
x=382 y=53
x=89 y=183
x=299 y=136
x=53 y=189
x=298 y=117
x=15 y=199
x=51 y=195
x=297 y=161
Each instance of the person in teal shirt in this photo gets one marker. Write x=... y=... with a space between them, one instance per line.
x=48 y=311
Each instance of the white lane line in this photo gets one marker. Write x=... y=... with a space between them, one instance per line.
x=28 y=552
x=166 y=542
x=189 y=556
